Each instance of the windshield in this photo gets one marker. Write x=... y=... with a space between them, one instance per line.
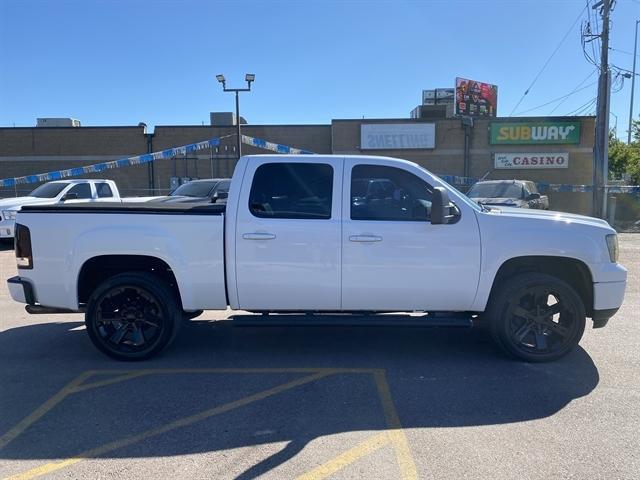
x=193 y=189
x=495 y=190
x=48 y=190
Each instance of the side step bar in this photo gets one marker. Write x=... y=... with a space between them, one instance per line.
x=326 y=320
x=40 y=310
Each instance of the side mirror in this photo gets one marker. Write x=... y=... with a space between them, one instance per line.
x=533 y=196
x=219 y=196
x=441 y=207
x=69 y=196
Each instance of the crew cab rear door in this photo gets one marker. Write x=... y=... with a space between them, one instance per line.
x=288 y=231
x=393 y=258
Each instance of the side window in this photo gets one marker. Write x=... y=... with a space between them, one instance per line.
x=83 y=190
x=388 y=193
x=222 y=189
x=103 y=190
x=292 y=190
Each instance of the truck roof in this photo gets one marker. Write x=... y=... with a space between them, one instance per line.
x=80 y=180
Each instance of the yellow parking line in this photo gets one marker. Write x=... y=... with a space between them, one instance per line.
x=109 y=381
x=76 y=385
x=43 y=409
x=396 y=434
x=347 y=458
x=182 y=422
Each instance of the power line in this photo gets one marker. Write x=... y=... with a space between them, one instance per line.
x=582 y=107
x=575 y=90
x=549 y=59
x=622 y=51
x=563 y=97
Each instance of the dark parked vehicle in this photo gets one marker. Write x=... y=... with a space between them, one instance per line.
x=213 y=190
x=509 y=193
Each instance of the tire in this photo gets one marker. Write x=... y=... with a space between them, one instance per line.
x=536 y=317
x=132 y=316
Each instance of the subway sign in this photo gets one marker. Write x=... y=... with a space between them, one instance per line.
x=528 y=133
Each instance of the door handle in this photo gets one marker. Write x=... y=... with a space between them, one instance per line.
x=258 y=236
x=365 y=238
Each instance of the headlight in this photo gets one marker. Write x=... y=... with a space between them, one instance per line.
x=612 y=245
x=9 y=214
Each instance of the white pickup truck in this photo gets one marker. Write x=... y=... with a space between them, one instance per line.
x=58 y=192
x=302 y=234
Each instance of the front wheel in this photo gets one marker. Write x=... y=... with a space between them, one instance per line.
x=536 y=317
x=132 y=316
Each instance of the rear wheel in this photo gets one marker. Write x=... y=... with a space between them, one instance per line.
x=536 y=317
x=132 y=316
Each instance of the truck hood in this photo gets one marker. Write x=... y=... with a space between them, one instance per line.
x=17 y=202
x=550 y=215
x=500 y=201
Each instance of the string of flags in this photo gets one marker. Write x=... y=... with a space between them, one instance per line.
x=271 y=146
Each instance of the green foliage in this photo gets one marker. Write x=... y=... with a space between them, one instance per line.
x=625 y=158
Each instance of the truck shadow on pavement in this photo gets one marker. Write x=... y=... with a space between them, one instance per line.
x=437 y=378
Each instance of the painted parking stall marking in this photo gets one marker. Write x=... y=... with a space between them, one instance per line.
x=393 y=436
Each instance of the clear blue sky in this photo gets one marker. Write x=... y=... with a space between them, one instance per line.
x=122 y=62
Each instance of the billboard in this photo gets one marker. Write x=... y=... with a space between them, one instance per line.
x=531 y=160
x=397 y=136
x=531 y=133
x=476 y=99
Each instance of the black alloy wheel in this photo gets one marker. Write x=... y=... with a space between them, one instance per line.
x=537 y=317
x=132 y=316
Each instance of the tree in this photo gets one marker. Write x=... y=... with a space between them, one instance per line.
x=625 y=158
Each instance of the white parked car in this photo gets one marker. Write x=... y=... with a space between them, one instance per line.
x=59 y=192
x=316 y=233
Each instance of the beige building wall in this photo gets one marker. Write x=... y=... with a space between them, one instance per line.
x=25 y=151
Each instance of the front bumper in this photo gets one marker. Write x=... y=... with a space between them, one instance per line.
x=21 y=290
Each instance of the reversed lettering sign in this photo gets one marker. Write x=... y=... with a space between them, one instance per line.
x=531 y=160
x=544 y=132
x=397 y=136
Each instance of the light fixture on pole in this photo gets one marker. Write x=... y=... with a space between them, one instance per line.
x=249 y=78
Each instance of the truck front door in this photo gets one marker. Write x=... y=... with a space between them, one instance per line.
x=393 y=258
x=288 y=231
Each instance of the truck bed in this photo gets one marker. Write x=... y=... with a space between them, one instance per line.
x=131 y=207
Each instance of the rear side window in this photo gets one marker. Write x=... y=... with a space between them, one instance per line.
x=103 y=190
x=83 y=190
x=292 y=190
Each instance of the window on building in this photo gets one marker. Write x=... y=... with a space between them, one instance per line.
x=388 y=193
x=292 y=190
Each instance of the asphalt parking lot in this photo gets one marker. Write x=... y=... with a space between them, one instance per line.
x=317 y=402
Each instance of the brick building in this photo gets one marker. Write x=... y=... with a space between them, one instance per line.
x=445 y=146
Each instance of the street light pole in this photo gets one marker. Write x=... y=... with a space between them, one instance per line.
x=249 y=78
x=633 y=82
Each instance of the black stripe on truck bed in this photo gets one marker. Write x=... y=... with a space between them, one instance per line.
x=130 y=207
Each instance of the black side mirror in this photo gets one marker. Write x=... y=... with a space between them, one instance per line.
x=533 y=196
x=69 y=196
x=441 y=207
x=219 y=196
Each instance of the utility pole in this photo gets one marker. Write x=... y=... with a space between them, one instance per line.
x=601 y=149
x=633 y=81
